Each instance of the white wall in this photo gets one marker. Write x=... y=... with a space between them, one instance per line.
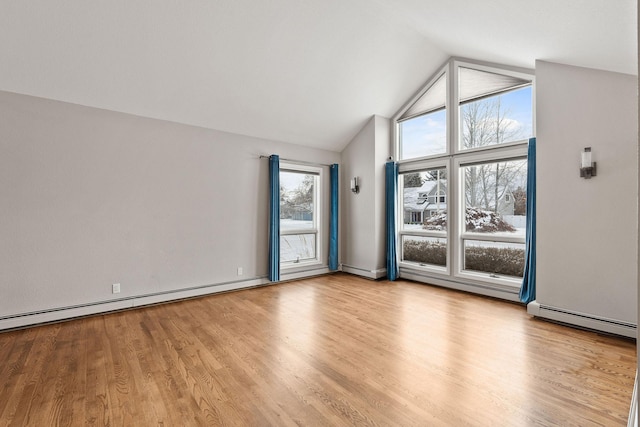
x=587 y=229
x=92 y=197
x=383 y=149
x=363 y=216
x=633 y=412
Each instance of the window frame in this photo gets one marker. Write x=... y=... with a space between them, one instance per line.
x=516 y=151
x=397 y=134
x=454 y=66
x=423 y=166
x=455 y=158
x=317 y=230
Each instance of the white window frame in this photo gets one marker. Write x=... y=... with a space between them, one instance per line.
x=422 y=166
x=514 y=151
x=317 y=172
x=455 y=64
x=454 y=159
x=396 y=128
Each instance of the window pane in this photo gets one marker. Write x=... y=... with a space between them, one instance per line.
x=424 y=135
x=498 y=119
x=425 y=200
x=495 y=198
x=501 y=259
x=297 y=247
x=296 y=200
x=424 y=250
x=435 y=98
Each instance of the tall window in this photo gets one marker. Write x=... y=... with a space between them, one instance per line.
x=299 y=214
x=423 y=233
x=493 y=232
x=463 y=191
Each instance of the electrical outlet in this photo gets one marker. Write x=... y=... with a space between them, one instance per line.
x=239 y=271
x=115 y=288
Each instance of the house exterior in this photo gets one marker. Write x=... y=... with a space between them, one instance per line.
x=506 y=204
x=421 y=203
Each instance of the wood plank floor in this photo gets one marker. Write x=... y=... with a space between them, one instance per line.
x=330 y=351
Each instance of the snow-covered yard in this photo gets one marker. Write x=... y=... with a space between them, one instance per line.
x=297 y=246
x=517 y=221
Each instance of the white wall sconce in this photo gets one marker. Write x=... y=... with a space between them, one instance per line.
x=587 y=167
x=354 y=185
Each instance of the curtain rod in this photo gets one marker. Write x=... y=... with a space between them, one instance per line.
x=299 y=162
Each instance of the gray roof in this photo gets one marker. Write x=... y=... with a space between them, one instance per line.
x=411 y=201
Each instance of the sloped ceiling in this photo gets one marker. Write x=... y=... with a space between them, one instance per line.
x=306 y=72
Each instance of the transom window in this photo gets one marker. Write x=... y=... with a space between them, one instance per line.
x=462 y=188
x=494 y=108
x=422 y=129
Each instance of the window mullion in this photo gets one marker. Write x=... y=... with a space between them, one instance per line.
x=455 y=242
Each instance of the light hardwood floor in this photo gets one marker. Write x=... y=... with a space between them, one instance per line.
x=329 y=351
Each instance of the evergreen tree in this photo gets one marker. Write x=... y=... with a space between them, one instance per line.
x=413 y=180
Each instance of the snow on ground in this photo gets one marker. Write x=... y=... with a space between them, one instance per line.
x=292 y=224
x=518 y=221
x=303 y=246
x=297 y=246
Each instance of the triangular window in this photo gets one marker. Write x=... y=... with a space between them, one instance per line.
x=422 y=127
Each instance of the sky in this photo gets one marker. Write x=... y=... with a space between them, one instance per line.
x=427 y=135
x=291 y=180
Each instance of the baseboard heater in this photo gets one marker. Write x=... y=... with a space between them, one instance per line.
x=56 y=314
x=584 y=320
x=69 y=312
x=633 y=410
x=358 y=271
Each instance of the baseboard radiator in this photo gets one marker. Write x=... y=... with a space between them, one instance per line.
x=633 y=410
x=584 y=320
x=56 y=314
x=370 y=274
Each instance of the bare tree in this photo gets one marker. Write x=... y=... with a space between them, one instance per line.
x=485 y=122
x=520 y=201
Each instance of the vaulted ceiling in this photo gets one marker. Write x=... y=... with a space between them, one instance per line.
x=309 y=72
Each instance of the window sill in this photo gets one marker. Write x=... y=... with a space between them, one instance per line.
x=507 y=292
x=300 y=265
x=464 y=277
x=507 y=282
x=427 y=268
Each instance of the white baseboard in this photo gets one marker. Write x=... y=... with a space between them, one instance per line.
x=370 y=274
x=65 y=313
x=301 y=274
x=584 y=320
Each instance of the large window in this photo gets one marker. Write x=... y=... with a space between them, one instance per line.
x=299 y=215
x=463 y=189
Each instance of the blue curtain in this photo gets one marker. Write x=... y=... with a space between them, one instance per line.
x=391 y=181
x=333 y=219
x=528 y=289
x=274 y=218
